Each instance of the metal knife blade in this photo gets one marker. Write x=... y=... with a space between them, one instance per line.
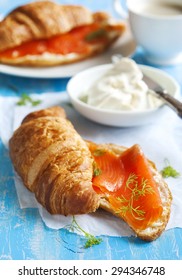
x=162 y=93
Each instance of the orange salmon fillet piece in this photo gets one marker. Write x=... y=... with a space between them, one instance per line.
x=128 y=183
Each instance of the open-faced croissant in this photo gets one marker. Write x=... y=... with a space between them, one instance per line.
x=71 y=176
x=44 y=33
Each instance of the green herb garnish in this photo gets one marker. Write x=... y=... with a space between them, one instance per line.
x=96 y=34
x=169 y=171
x=99 y=152
x=137 y=190
x=26 y=99
x=97 y=172
x=91 y=240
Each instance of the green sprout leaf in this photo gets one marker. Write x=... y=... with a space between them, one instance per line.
x=26 y=99
x=96 y=34
x=99 y=152
x=97 y=172
x=169 y=171
x=91 y=240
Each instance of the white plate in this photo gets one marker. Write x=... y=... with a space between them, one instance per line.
x=125 y=46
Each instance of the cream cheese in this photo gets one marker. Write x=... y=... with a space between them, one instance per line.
x=121 y=88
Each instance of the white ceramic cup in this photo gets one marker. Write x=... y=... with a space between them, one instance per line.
x=156 y=26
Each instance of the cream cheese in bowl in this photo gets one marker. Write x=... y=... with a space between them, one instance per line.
x=121 y=88
x=115 y=94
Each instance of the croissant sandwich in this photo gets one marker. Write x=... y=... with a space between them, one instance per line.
x=71 y=176
x=44 y=33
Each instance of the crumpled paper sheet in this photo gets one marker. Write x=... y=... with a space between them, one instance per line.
x=160 y=140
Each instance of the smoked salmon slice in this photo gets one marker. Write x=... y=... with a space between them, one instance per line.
x=127 y=182
x=74 y=41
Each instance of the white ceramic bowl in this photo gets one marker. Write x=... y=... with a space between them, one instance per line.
x=83 y=80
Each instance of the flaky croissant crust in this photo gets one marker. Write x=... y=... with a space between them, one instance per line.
x=39 y=20
x=54 y=163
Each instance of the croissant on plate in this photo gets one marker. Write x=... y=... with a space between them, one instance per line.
x=44 y=33
x=71 y=176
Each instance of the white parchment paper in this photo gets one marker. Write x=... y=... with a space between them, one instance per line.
x=160 y=140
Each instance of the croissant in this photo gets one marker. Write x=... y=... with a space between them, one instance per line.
x=54 y=163
x=71 y=176
x=38 y=20
x=46 y=33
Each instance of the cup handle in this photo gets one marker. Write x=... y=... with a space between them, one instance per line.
x=119 y=9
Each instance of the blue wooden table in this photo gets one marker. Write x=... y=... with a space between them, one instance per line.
x=24 y=236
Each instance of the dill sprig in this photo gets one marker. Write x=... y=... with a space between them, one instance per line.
x=97 y=34
x=26 y=99
x=99 y=152
x=96 y=170
x=137 y=190
x=169 y=171
x=91 y=240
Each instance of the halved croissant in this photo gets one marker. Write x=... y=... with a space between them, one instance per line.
x=57 y=165
x=44 y=33
x=54 y=162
